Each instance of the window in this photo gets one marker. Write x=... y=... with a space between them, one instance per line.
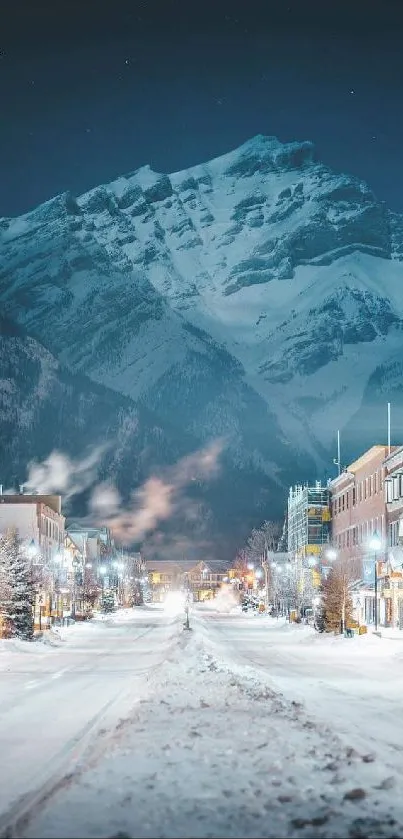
x=393 y=534
x=347 y=497
x=376 y=482
x=353 y=496
x=365 y=488
x=342 y=501
x=339 y=504
x=371 y=485
x=348 y=538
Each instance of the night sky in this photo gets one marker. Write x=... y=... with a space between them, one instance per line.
x=90 y=90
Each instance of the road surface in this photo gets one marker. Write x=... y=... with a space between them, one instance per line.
x=239 y=728
x=56 y=700
x=356 y=683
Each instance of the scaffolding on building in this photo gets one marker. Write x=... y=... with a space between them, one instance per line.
x=308 y=519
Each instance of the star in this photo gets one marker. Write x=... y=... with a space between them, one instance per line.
x=352 y=92
x=127 y=60
x=88 y=130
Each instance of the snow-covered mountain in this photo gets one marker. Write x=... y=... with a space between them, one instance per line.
x=254 y=296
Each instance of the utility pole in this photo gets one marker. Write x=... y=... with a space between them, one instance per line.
x=388 y=428
x=338 y=461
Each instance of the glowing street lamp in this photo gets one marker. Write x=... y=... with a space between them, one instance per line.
x=32 y=550
x=375 y=543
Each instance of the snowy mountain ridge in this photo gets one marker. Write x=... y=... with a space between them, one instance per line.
x=239 y=297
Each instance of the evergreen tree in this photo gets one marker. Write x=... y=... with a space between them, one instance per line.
x=337 y=601
x=108 y=603
x=17 y=591
x=5 y=624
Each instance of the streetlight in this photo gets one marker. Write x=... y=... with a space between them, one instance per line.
x=375 y=544
x=265 y=565
x=32 y=550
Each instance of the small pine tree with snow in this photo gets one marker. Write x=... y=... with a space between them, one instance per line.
x=337 y=601
x=17 y=587
x=108 y=603
x=5 y=623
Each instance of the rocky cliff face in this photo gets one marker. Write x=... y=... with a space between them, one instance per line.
x=251 y=297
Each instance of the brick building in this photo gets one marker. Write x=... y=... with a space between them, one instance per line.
x=393 y=588
x=358 y=511
x=358 y=504
x=41 y=527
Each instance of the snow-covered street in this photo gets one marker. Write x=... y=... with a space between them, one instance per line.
x=242 y=727
x=58 y=696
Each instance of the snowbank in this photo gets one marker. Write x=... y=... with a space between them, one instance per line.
x=213 y=750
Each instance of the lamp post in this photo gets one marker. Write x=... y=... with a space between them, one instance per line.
x=376 y=545
x=265 y=564
x=103 y=570
x=119 y=565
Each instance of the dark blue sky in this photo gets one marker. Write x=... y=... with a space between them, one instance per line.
x=90 y=90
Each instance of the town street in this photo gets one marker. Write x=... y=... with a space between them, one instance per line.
x=56 y=699
x=355 y=683
x=243 y=726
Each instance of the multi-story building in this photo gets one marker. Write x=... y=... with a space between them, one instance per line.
x=308 y=534
x=164 y=576
x=203 y=579
x=41 y=527
x=206 y=578
x=98 y=551
x=393 y=587
x=393 y=469
x=38 y=519
x=358 y=504
x=308 y=520
x=358 y=513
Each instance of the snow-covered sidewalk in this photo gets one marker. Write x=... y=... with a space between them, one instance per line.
x=213 y=751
